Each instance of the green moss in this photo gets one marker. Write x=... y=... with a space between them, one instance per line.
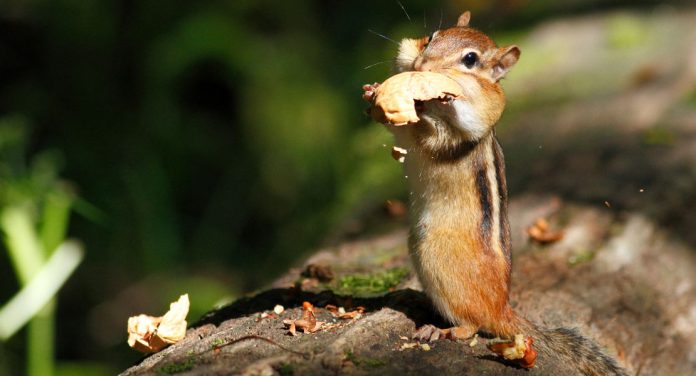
x=217 y=342
x=364 y=361
x=580 y=258
x=285 y=369
x=691 y=97
x=177 y=367
x=659 y=137
x=370 y=284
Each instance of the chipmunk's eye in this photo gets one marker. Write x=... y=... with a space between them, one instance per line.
x=470 y=59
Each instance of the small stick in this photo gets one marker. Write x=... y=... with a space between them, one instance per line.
x=253 y=336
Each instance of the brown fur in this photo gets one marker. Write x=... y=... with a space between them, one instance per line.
x=460 y=237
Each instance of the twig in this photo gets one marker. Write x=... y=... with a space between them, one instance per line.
x=253 y=336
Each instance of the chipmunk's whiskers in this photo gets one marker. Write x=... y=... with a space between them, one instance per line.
x=377 y=63
x=383 y=36
x=404 y=9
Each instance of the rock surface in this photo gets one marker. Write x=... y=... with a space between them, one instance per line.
x=617 y=279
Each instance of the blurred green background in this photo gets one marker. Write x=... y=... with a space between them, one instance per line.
x=207 y=146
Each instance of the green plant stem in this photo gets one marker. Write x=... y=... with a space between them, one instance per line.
x=28 y=252
x=33 y=297
x=40 y=341
x=22 y=243
x=54 y=218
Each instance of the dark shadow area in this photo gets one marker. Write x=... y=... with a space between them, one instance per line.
x=414 y=304
x=604 y=165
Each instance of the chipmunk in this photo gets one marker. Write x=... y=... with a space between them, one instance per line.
x=460 y=237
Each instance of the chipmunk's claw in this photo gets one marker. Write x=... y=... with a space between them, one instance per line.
x=429 y=333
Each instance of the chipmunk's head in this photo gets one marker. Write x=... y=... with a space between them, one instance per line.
x=472 y=59
x=459 y=48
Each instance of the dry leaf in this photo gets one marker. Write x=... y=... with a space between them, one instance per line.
x=395 y=98
x=152 y=334
x=541 y=233
x=341 y=313
x=350 y=315
x=308 y=323
x=291 y=327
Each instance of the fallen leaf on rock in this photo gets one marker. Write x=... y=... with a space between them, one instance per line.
x=290 y=324
x=541 y=233
x=341 y=313
x=308 y=323
x=291 y=327
x=151 y=334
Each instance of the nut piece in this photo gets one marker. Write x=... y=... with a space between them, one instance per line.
x=519 y=350
x=395 y=98
x=151 y=334
x=399 y=154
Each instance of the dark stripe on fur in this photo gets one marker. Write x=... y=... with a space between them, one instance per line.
x=484 y=193
x=499 y=161
x=456 y=152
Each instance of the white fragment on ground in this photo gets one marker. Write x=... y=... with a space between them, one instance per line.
x=474 y=341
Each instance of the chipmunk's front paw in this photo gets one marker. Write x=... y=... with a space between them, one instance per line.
x=369 y=91
x=429 y=333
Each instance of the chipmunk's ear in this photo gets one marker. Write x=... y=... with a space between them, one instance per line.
x=506 y=58
x=463 y=20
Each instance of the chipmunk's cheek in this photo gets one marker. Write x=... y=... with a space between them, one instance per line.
x=468 y=120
